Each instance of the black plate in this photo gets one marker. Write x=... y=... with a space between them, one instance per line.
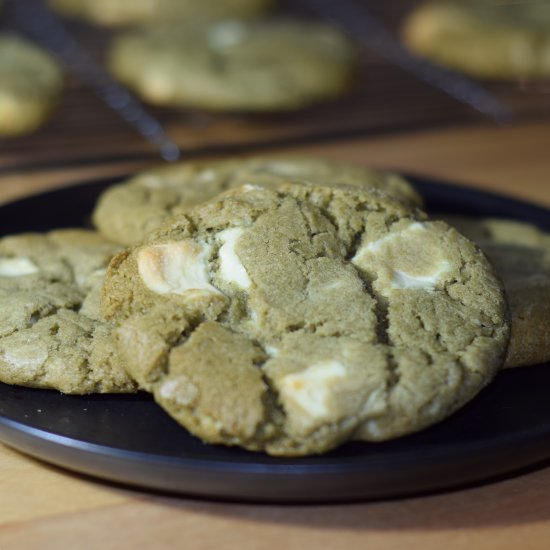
x=128 y=439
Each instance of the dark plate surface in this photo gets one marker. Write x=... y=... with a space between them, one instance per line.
x=128 y=439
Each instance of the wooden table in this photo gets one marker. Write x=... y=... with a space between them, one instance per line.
x=44 y=507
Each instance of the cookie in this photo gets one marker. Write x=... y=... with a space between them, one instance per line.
x=30 y=86
x=52 y=334
x=483 y=38
x=235 y=65
x=291 y=321
x=127 y=212
x=521 y=255
x=146 y=12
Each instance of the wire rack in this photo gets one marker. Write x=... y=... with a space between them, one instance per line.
x=384 y=99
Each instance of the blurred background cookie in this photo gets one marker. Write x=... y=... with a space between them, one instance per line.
x=146 y=12
x=127 y=212
x=483 y=38
x=30 y=85
x=521 y=255
x=235 y=65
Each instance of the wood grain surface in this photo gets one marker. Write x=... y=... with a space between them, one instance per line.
x=383 y=98
x=45 y=507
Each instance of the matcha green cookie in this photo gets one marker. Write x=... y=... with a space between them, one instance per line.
x=147 y=12
x=127 y=212
x=291 y=321
x=30 y=86
x=235 y=65
x=52 y=334
x=483 y=38
x=521 y=255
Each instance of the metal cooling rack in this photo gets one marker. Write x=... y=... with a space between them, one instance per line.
x=386 y=98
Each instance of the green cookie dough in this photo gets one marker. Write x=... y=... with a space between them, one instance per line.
x=293 y=320
x=235 y=65
x=52 y=334
x=127 y=212
x=521 y=255
x=30 y=86
x=483 y=38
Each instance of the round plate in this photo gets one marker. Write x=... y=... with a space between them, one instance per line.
x=129 y=439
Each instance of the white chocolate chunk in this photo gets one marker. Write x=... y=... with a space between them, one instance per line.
x=425 y=282
x=99 y=272
x=17 y=267
x=231 y=268
x=283 y=168
x=370 y=429
x=158 y=86
x=176 y=268
x=224 y=35
x=207 y=175
x=272 y=351
x=151 y=181
x=376 y=403
x=249 y=187
x=333 y=285
x=410 y=259
x=210 y=424
x=253 y=321
x=180 y=390
x=378 y=246
x=307 y=394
